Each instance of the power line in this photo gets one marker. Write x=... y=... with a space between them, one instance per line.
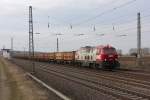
x=108 y=11
x=109 y=31
x=118 y=18
x=99 y=7
x=118 y=31
x=129 y=20
x=126 y=29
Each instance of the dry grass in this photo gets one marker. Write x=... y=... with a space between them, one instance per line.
x=131 y=62
x=21 y=87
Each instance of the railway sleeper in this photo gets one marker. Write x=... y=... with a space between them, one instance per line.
x=118 y=88
x=106 y=90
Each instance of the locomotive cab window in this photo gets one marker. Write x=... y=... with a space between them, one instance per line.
x=98 y=51
x=109 y=50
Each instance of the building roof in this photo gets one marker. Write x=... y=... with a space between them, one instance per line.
x=6 y=50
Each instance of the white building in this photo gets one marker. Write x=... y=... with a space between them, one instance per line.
x=6 y=53
x=144 y=51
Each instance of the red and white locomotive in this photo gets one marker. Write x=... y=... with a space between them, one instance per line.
x=100 y=57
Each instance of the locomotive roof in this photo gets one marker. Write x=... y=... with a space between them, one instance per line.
x=102 y=46
x=92 y=47
x=87 y=47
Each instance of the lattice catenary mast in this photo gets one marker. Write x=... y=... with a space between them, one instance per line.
x=31 y=41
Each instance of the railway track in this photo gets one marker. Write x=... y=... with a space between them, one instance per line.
x=117 y=87
x=108 y=76
x=132 y=74
x=118 y=90
x=118 y=94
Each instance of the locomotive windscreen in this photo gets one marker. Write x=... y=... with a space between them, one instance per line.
x=109 y=50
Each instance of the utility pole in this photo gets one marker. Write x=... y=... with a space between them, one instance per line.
x=138 y=39
x=24 y=50
x=11 y=52
x=57 y=45
x=31 y=40
x=11 y=44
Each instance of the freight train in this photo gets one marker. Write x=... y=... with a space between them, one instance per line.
x=104 y=57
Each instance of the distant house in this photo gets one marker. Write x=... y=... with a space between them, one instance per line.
x=144 y=51
x=5 y=53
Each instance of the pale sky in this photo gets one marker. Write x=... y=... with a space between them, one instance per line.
x=111 y=19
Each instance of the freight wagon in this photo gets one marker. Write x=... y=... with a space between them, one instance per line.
x=59 y=57
x=52 y=57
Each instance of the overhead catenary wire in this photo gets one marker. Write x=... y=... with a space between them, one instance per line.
x=108 y=26
x=103 y=13
x=122 y=5
x=116 y=24
x=123 y=22
x=117 y=20
x=115 y=35
x=108 y=31
x=107 y=4
x=111 y=26
x=126 y=30
x=122 y=30
x=71 y=26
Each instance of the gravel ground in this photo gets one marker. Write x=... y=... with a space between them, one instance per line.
x=15 y=85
